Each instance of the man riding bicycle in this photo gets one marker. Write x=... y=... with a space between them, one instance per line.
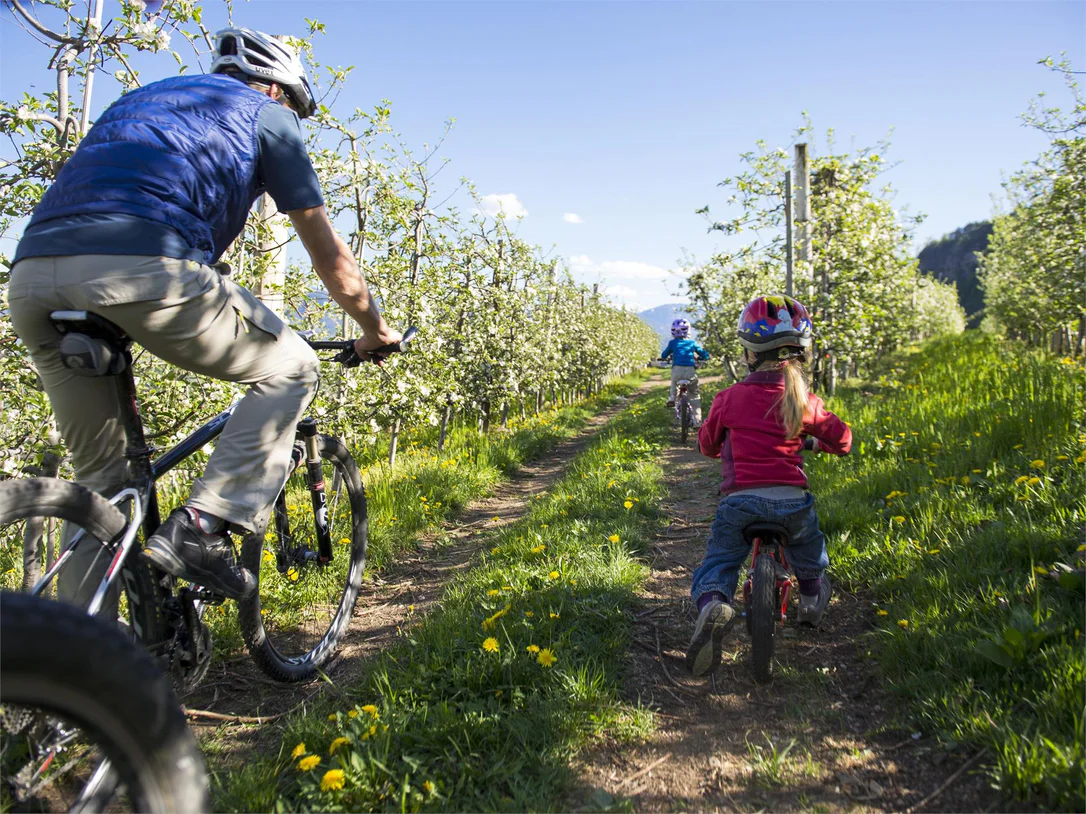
x=685 y=353
x=152 y=197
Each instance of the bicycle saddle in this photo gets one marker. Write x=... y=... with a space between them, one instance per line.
x=767 y=532
x=91 y=345
x=683 y=382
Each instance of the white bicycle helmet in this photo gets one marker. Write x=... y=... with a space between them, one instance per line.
x=266 y=59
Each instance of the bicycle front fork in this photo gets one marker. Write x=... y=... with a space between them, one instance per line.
x=309 y=451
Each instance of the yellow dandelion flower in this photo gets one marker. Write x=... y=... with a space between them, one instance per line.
x=333 y=780
x=611 y=484
x=899 y=518
x=883 y=612
x=934 y=550
x=1081 y=547
x=507 y=587
x=529 y=614
x=614 y=538
x=332 y=717
x=495 y=519
x=978 y=471
x=268 y=557
x=371 y=710
x=298 y=751
x=539 y=549
x=902 y=623
x=1038 y=464
x=373 y=730
x=966 y=480
x=307 y=763
x=292 y=574
x=338 y=742
x=977 y=434
x=546 y=657
x=532 y=648
x=495 y=550
x=490 y=644
x=553 y=575
x=344 y=540
x=628 y=504
x=1081 y=459
x=1040 y=569
x=554 y=615
x=353 y=713
x=427 y=787
x=1020 y=480
x=493 y=592
x=1062 y=457
x=1033 y=481
x=1018 y=446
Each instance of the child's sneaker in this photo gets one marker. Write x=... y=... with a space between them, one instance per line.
x=703 y=654
x=671 y=402
x=811 y=608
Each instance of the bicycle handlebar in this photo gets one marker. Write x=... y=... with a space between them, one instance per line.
x=347 y=356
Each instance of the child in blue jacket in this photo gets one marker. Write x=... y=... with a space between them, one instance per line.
x=684 y=353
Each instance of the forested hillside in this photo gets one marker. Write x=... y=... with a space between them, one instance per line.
x=953 y=259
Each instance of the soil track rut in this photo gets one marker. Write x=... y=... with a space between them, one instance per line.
x=410 y=587
x=718 y=742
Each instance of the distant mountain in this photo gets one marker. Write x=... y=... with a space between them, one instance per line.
x=660 y=318
x=952 y=259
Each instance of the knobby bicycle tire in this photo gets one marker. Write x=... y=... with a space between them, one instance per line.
x=39 y=498
x=265 y=647
x=69 y=666
x=685 y=432
x=763 y=617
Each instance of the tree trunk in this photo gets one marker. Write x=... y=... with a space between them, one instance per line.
x=394 y=442
x=443 y=433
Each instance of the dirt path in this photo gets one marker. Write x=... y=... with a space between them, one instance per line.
x=719 y=744
x=407 y=589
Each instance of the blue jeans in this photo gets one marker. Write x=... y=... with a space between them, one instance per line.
x=727 y=550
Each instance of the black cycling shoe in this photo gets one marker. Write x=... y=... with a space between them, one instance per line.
x=181 y=548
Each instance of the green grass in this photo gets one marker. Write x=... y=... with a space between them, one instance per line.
x=468 y=712
x=964 y=493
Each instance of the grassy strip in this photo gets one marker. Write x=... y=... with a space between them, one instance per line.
x=961 y=504
x=480 y=705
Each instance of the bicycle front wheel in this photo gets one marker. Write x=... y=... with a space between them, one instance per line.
x=293 y=624
x=762 y=611
x=87 y=720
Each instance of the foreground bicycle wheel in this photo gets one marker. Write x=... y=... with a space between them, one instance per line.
x=762 y=612
x=293 y=624
x=87 y=720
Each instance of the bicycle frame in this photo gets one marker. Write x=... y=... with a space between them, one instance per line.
x=784 y=578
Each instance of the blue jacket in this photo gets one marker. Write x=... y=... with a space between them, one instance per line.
x=181 y=152
x=684 y=351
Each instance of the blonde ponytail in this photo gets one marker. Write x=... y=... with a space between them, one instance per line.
x=792 y=404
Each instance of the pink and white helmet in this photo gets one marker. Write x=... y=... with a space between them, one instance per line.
x=680 y=328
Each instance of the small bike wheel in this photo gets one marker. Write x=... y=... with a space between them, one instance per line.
x=37 y=515
x=762 y=612
x=87 y=720
x=685 y=419
x=293 y=624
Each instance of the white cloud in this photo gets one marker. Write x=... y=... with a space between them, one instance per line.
x=493 y=205
x=570 y=217
x=582 y=264
x=624 y=295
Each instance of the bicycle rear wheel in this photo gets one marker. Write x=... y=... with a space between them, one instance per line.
x=762 y=611
x=294 y=623
x=87 y=720
x=37 y=515
x=685 y=431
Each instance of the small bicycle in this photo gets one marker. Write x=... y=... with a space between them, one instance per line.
x=309 y=563
x=767 y=589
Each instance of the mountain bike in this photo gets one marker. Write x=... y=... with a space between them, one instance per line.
x=308 y=561
x=88 y=722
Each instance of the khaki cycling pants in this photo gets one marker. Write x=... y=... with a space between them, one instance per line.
x=190 y=316
x=679 y=372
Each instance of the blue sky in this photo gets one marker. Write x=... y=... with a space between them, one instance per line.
x=628 y=114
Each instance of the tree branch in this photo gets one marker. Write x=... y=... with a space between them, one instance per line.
x=41 y=29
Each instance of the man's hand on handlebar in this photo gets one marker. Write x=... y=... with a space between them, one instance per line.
x=366 y=345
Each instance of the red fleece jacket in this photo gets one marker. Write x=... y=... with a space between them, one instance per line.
x=743 y=430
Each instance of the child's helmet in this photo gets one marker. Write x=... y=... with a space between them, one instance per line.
x=772 y=322
x=680 y=328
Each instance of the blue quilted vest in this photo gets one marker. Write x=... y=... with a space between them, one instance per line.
x=181 y=152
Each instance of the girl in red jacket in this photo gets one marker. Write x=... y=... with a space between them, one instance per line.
x=757 y=428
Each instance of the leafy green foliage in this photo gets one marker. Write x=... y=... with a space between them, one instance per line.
x=964 y=493
x=861 y=285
